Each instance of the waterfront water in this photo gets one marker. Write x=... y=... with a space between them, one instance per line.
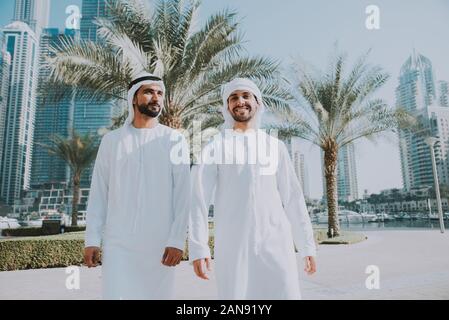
x=424 y=224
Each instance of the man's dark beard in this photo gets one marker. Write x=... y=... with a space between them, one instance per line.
x=147 y=109
x=239 y=118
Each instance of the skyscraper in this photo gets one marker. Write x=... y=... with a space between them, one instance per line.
x=347 y=182
x=72 y=112
x=22 y=45
x=443 y=93
x=417 y=94
x=52 y=118
x=35 y=13
x=299 y=164
x=5 y=65
x=90 y=10
x=347 y=174
x=439 y=126
x=89 y=116
x=416 y=88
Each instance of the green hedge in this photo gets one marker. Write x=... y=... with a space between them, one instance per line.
x=22 y=232
x=74 y=228
x=41 y=252
x=47 y=252
x=67 y=249
x=36 y=231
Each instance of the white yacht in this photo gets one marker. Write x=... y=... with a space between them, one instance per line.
x=8 y=223
x=347 y=216
x=433 y=216
x=36 y=219
x=382 y=217
x=369 y=217
x=67 y=219
x=402 y=216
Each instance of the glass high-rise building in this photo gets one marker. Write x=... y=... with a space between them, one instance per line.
x=53 y=117
x=439 y=126
x=22 y=45
x=443 y=90
x=347 y=181
x=347 y=186
x=90 y=10
x=5 y=66
x=417 y=94
x=416 y=89
x=72 y=112
x=35 y=13
x=299 y=164
x=90 y=117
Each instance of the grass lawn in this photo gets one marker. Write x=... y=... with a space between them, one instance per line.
x=345 y=237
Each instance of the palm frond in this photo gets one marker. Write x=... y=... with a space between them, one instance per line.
x=129 y=17
x=94 y=69
x=193 y=63
x=78 y=151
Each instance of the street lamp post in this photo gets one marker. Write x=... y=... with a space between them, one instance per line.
x=431 y=143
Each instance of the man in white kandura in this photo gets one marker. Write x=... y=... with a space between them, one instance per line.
x=139 y=201
x=259 y=213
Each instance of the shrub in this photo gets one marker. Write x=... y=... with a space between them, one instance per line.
x=41 y=252
x=74 y=228
x=22 y=232
x=48 y=251
x=36 y=231
x=50 y=227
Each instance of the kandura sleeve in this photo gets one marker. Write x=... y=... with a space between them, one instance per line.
x=204 y=179
x=181 y=201
x=294 y=204
x=98 y=197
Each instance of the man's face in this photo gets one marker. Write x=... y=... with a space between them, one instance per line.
x=149 y=100
x=242 y=105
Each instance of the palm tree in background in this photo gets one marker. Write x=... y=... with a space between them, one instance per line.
x=335 y=109
x=193 y=63
x=78 y=152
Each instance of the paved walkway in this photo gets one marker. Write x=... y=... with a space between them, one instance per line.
x=412 y=265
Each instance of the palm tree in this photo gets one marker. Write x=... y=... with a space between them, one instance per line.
x=333 y=110
x=79 y=152
x=193 y=63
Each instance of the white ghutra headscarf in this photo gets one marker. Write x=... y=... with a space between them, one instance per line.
x=142 y=78
x=241 y=84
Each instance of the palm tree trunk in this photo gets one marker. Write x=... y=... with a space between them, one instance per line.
x=330 y=172
x=76 y=196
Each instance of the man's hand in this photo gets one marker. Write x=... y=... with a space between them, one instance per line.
x=199 y=267
x=171 y=257
x=91 y=256
x=310 y=265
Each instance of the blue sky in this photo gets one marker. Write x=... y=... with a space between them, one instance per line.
x=290 y=28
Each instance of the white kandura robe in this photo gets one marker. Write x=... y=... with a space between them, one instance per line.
x=257 y=220
x=138 y=205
